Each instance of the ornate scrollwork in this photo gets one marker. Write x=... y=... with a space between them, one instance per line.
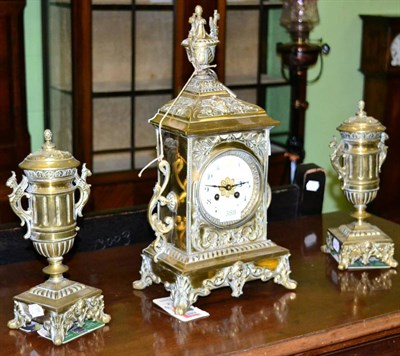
x=183 y=294
x=58 y=324
x=50 y=174
x=205 y=238
x=161 y=226
x=367 y=136
x=221 y=106
x=256 y=141
x=89 y=308
x=365 y=251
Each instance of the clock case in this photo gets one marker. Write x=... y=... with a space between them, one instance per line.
x=190 y=255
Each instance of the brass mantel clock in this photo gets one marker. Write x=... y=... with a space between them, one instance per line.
x=209 y=207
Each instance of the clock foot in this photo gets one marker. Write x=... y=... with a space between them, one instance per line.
x=283 y=272
x=147 y=276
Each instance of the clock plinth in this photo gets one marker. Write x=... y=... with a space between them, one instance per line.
x=188 y=281
x=209 y=207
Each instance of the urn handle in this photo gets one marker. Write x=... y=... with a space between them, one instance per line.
x=15 y=201
x=337 y=158
x=382 y=149
x=84 y=189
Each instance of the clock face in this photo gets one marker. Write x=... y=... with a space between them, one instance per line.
x=395 y=51
x=230 y=188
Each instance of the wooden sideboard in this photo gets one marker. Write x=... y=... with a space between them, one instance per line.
x=332 y=311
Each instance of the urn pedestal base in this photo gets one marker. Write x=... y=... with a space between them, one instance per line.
x=61 y=303
x=187 y=281
x=360 y=245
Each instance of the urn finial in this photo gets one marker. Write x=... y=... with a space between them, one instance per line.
x=48 y=136
x=361 y=106
x=200 y=45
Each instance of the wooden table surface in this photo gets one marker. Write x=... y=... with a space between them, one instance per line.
x=328 y=310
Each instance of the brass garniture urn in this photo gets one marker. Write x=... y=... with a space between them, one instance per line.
x=357 y=159
x=49 y=185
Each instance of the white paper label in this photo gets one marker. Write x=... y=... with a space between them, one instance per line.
x=35 y=310
x=312 y=185
x=336 y=245
x=191 y=314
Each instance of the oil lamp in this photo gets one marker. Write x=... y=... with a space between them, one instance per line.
x=49 y=185
x=299 y=17
x=358 y=159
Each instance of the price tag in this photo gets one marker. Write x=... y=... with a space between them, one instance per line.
x=35 y=310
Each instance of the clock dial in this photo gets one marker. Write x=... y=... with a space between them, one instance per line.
x=230 y=187
x=395 y=51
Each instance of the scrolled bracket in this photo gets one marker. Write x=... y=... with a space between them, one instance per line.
x=165 y=225
x=15 y=201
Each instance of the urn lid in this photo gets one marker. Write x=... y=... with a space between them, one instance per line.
x=49 y=157
x=361 y=122
x=205 y=105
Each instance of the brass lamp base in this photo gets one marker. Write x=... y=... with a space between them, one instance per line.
x=360 y=245
x=187 y=280
x=64 y=303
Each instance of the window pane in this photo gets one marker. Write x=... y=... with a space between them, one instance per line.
x=111 y=123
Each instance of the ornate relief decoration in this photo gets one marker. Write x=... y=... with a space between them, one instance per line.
x=183 y=294
x=58 y=324
x=50 y=174
x=203 y=237
x=258 y=142
x=208 y=108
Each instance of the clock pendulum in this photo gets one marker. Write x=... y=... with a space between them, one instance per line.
x=209 y=207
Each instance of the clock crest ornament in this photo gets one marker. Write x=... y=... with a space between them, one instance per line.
x=209 y=206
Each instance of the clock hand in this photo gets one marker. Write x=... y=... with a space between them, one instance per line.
x=239 y=184
x=214 y=186
x=226 y=186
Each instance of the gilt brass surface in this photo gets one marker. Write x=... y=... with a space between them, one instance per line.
x=49 y=184
x=358 y=159
x=200 y=247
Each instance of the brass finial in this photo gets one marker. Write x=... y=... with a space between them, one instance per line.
x=48 y=136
